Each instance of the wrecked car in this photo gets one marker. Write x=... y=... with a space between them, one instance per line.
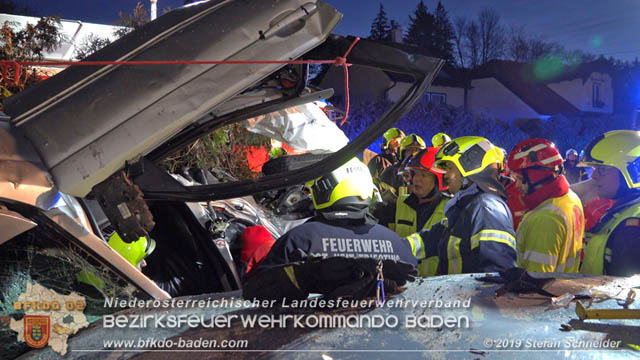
x=80 y=152
x=80 y=158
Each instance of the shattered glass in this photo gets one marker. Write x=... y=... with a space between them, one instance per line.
x=40 y=256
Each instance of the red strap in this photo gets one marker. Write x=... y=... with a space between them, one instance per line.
x=339 y=61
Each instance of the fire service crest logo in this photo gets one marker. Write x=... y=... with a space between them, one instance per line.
x=36 y=330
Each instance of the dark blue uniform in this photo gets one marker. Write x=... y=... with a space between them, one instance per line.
x=479 y=236
x=321 y=237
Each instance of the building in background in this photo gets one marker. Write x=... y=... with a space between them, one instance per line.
x=74 y=33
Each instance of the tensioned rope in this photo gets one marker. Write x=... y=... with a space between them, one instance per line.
x=7 y=65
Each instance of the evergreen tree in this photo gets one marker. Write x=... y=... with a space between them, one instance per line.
x=380 y=27
x=444 y=34
x=421 y=28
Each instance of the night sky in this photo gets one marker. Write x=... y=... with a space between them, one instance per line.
x=604 y=27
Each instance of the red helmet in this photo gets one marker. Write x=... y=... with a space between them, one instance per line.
x=537 y=160
x=424 y=160
x=534 y=153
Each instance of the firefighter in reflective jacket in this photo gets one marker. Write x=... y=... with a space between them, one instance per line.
x=389 y=154
x=342 y=225
x=613 y=244
x=424 y=207
x=477 y=235
x=394 y=176
x=549 y=237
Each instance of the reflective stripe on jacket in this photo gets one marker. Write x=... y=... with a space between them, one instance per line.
x=549 y=237
x=596 y=250
x=476 y=236
x=481 y=237
x=406 y=223
x=406 y=220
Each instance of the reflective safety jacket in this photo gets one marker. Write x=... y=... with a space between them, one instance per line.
x=549 y=237
x=613 y=245
x=407 y=219
x=476 y=236
x=407 y=223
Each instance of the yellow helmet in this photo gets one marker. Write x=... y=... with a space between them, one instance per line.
x=350 y=184
x=412 y=141
x=440 y=139
x=277 y=152
x=391 y=134
x=619 y=149
x=135 y=251
x=470 y=154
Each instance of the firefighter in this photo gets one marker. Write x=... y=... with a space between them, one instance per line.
x=477 y=235
x=342 y=225
x=389 y=154
x=613 y=244
x=394 y=176
x=572 y=172
x=423 y=207
x=549 y=236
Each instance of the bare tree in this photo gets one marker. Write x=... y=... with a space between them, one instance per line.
x=539 y=48
x=474 y=44
x=517 y=47
x=491 y=35
x=522 y=47
x=128 y=23
x=459 y=31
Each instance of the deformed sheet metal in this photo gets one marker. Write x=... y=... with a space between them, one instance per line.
x=91 y=120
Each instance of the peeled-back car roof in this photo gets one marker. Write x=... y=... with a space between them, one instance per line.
x=86 y=122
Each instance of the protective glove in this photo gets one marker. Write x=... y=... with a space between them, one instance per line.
x=336 y=276
x=518 y=280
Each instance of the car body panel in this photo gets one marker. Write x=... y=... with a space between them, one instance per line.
x=23 y=176
x=13 y=224
x=88 y=130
